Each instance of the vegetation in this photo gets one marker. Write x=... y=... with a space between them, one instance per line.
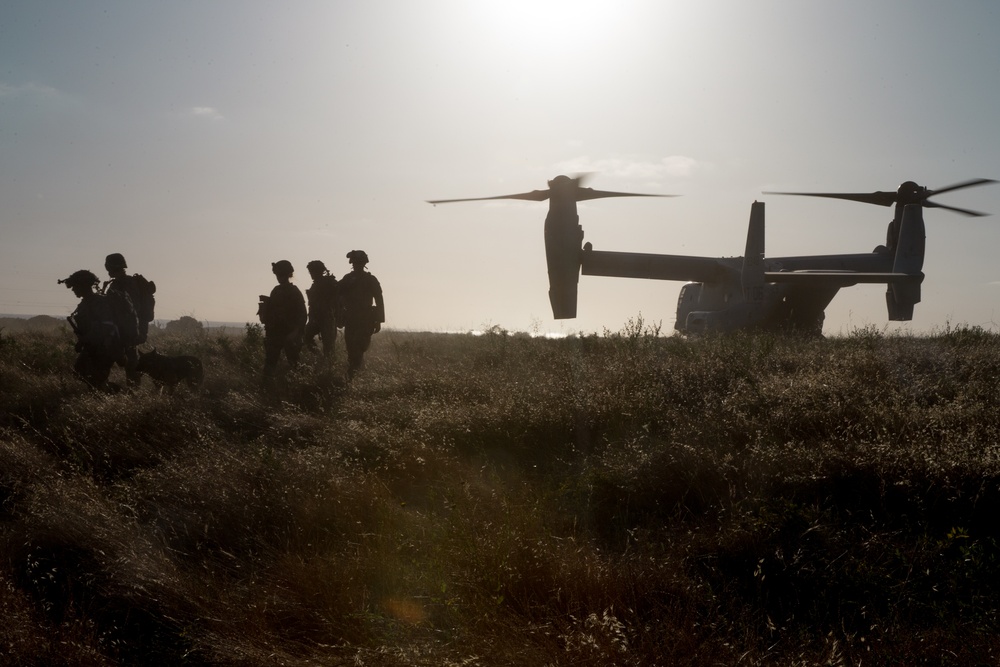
x=625 y=499
x=185 y=325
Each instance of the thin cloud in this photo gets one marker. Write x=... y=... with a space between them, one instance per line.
x=672 y=166
x=679 y=165
x=27 y=89
x=207 y=112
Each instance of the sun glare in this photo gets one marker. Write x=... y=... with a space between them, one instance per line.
x=551 y=29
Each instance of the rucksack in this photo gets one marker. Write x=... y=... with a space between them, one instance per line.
x=124 y=315
x=262 y=309
x=144 y=302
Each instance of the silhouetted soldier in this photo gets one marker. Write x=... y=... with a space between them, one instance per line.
x=362 y=308
x=98 y=341
x=284 y=316
x=127 y=296
x=322 y=298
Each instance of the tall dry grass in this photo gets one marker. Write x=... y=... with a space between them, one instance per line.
x=626 y=499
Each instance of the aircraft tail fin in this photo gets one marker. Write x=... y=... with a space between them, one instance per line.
x=901 y=296
x=752 y=277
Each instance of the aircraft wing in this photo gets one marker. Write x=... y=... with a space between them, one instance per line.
x=658 y=267
x=837 y=278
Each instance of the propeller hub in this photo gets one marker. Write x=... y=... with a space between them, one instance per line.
x=910 y=193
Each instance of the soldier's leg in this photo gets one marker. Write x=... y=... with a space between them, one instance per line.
x=293 y=347
x=272 y=352
x=93 y=369
x=84 y=369
x=329 y=335
x=102 y=371
x=132 y=376
x=312 y=328
x=354 y=352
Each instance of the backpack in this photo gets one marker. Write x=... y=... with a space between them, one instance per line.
x=145 y=302
x=323 y=298
x=95 y=324
x=262 y=309
x=124 y=316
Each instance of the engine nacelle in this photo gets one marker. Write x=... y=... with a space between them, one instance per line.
x=901 y=296
x=563 y=241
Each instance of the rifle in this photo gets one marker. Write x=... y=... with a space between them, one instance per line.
x=76 y=330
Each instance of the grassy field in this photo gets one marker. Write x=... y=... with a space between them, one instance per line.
x=625 y=499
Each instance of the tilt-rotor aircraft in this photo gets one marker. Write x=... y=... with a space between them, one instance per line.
x=749 y=292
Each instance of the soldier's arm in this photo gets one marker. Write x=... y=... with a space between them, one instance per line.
x=302 y=315
x=379 y=303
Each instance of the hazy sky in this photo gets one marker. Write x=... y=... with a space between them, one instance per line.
x=205 y=140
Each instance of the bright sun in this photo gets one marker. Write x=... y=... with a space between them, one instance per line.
x=549 y=30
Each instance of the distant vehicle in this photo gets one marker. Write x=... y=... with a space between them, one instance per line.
x=749 y=292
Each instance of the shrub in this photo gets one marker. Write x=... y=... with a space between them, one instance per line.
x=628 y=498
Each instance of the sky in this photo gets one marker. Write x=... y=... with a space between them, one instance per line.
x=206 y=139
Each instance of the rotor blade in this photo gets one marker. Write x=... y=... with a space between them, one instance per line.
x=534 y=195
x=583 y=194
x=964 y=211
x=878 y=198
x=963 y=184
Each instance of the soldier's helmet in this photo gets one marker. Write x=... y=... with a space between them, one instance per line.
x=115 y=261
x=356 y=256
x=316 y=265
x=282 y=268
x=81 y=278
